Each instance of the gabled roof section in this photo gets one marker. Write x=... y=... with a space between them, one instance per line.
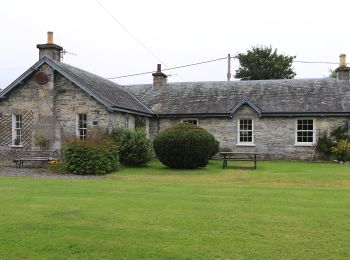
x=246 y=101
x=108 y=93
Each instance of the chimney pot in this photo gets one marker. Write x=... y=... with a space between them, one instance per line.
x=50 y=37
x=49 y=49
x=342 y=60
x=343 y=70
x=159 y=78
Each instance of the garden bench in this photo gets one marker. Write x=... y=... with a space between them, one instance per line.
x=35 y=156
x=242 y=156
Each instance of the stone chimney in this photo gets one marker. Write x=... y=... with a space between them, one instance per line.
x=159 y=78
x=342 y=71
x=49 y=49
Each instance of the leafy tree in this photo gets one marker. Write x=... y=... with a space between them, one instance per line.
x=263 y=62
x=332 y=74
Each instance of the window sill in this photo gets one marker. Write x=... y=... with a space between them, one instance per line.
x=241 y=144
x=16 y=146
x=305 y=145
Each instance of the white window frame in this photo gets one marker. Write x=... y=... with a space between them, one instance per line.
x=313 y=134
x=239 y=143
x=127 y=122
x=78 y=128
x=190 y=119
x=15 y=128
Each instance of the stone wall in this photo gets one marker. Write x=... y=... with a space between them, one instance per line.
x=273 y=137
x=34 y=103
x=51 y=110
x=71 y=100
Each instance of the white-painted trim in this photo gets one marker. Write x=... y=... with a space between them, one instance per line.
x=126 y=121
x=15 y=146
x=13 y=124
x=304 y=144
x=189 y=118
x=77 y=124
x=300 y=144
x=247 y=144
x=238 y=134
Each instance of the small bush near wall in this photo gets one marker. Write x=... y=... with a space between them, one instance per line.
x=42 y=141
x=90 y=157
x=324 y=146
x=342 y=150
x=185 y=146
x=340 y=133
x=134 y=146
x=336 y=144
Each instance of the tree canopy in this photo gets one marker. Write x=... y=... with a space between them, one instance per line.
x=332 y=74
x=262 y=62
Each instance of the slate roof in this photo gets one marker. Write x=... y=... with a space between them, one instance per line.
x=110 y=94
x=269 y=97
x=114 y=94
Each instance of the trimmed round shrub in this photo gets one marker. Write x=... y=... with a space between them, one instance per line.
x=90 y=158
x=134 y=146
x=214 y=148
x=185 y=146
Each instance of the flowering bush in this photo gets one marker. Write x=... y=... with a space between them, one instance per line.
x=335 y=144
x=56 y=166
x=55 y=162
x=342 y=150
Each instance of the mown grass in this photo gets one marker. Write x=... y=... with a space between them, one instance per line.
x=283 y=210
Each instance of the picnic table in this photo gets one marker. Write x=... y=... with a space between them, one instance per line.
x=242 y=156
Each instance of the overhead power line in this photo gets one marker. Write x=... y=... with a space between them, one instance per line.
x=317 y=62
x=213 y=60
x=132 y=36
x=173 y=68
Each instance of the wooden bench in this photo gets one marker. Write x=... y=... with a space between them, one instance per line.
x=231 y=156
x=35 y=156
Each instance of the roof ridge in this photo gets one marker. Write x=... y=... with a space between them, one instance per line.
x=239 y=81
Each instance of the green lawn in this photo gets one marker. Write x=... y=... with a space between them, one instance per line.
x=282 y=210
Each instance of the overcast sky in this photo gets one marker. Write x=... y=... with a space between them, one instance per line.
x=177 y=32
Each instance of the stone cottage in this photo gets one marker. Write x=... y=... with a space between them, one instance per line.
x=278 y=118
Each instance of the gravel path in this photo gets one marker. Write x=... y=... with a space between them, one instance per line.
x=41 y=173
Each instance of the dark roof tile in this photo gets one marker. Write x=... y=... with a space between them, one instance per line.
x=271 y=96
x=114 y=94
